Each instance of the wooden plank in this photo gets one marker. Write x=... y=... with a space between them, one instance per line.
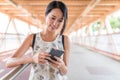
x=45 y=2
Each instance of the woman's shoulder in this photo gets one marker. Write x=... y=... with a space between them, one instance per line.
x=30 y=36
x=66 y=42
x=65 y=37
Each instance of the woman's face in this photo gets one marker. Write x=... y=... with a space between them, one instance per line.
x=54 y=20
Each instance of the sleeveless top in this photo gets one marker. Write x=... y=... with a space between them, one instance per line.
x=46 y=71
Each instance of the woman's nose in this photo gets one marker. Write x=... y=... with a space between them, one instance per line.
x=55 y=23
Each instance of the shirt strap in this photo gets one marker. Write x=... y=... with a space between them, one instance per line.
x=33 y=42
x=63 y=41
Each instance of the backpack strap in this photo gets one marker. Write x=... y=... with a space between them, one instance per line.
x=63 y=41
x=33 y=42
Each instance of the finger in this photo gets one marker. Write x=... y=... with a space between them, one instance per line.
x=55 y=65
x=41 y=57
x=57 y=58
x=47 y=54
x=54 y=62
x=42 y=61
x=48 y=58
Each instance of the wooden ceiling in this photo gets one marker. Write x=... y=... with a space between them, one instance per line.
x=81 y=12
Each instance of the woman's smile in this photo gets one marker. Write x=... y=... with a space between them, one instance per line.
x=52 y=27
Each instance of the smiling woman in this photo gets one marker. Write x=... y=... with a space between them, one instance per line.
x=43 y=66
x=54 y=20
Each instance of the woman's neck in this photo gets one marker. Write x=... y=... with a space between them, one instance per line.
x=48 y=36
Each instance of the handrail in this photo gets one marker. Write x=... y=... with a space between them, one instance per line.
x=8 y=51
x=14 y=73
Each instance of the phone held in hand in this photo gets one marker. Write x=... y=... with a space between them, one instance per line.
x=56 y=52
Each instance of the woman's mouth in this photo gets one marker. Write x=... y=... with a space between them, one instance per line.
x=52 y=27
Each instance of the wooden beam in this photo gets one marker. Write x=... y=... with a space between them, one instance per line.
x=90 y=6
x=13 y=11
x=14 y=4
x=109 y=2
x=4 y=4
x=45 y=2
x=104 y=15
x=7 y=6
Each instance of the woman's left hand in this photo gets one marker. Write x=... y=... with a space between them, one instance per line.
x=58 y=63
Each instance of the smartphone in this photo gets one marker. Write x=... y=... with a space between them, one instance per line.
x=56 y=52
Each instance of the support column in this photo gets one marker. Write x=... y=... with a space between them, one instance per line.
x=18 y=35
x=4 y=34
x=110 y=38
x=29 y=28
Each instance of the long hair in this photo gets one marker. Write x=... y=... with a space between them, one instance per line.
x=62 y=7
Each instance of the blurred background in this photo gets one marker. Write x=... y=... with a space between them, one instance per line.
x=93 y=29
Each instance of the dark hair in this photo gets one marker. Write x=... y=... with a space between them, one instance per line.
x=62 y=7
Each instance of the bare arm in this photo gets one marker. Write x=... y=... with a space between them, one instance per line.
x=61 y=64
x=63 y=67
x=18 y=59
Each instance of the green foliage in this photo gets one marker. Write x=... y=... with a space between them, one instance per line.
x=115 y=22
x=95 y=26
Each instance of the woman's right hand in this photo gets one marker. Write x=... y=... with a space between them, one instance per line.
x=40 y=58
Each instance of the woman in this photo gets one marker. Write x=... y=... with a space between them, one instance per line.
x=43 y=67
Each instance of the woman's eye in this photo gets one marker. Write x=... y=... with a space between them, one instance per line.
x=60 y=20
x=53 y=18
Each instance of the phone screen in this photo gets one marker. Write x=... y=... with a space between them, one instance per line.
x=56 y=52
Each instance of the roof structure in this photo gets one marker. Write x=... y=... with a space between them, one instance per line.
x=81 y=12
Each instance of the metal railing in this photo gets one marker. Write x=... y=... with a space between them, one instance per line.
x=14 y=73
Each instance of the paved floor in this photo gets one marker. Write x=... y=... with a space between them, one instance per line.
x=83 y=65
x=87 y=65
